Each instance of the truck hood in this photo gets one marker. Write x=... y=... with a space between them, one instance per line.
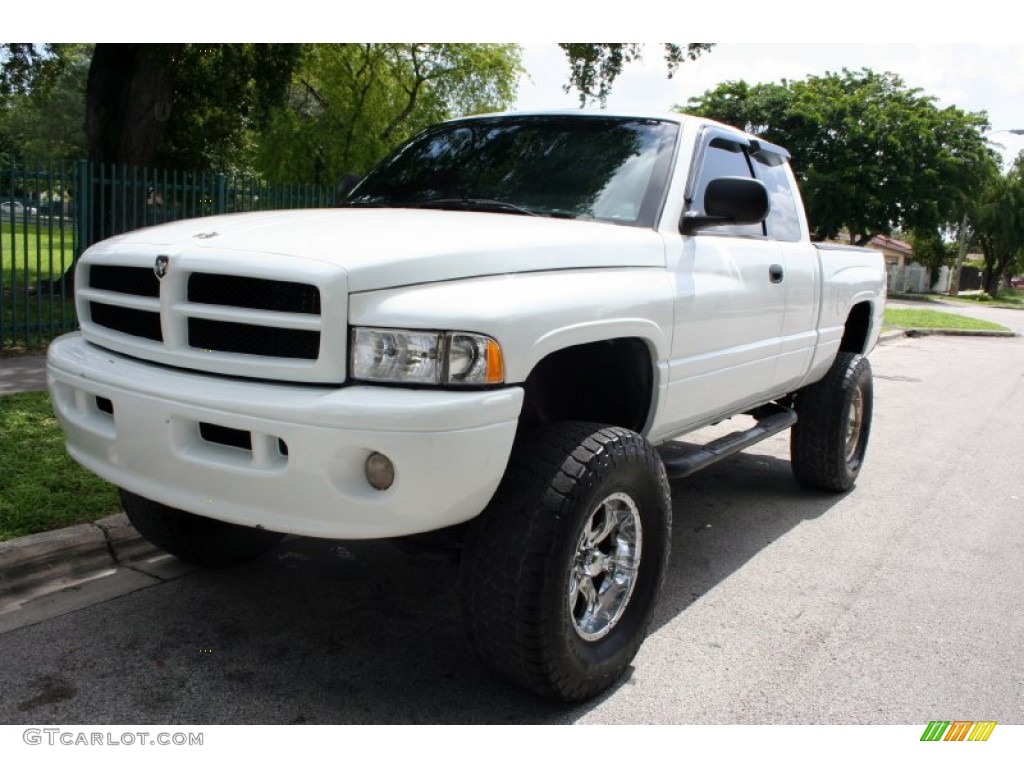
x=385 y=248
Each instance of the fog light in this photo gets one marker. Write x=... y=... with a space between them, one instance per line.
x=380 y=472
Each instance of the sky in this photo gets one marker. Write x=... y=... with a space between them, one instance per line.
x=973 y=77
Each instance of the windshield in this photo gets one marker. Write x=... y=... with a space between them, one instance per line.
x=604 y=169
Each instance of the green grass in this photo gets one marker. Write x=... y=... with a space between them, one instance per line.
x=930 y=318
x=32 y=254
x=1005 y=299
x=31 y=322
x=41 y=489
x=922 y=298
x=34 y=250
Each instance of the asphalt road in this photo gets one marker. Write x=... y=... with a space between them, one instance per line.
x=899 y=603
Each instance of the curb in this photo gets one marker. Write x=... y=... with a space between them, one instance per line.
x=69 y=554
x=913 y=333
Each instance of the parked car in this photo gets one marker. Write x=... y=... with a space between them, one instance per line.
x=17 y=209
x=1017 y=282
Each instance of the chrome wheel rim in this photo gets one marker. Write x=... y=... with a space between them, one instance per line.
x=604 y=567
x=854 y=423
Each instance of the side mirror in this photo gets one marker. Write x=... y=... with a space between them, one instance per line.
x=730 y=200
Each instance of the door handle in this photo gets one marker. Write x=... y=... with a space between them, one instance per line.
x=776 y=273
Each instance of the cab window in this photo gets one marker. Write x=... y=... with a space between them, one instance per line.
x=723 y=158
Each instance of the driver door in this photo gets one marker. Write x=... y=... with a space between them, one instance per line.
x=729 y=301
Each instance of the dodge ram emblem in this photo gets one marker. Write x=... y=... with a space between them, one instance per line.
x=161 y=266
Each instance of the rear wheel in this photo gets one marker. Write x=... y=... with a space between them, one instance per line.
x=200 y=540
x=561 y=573
x=830 y=438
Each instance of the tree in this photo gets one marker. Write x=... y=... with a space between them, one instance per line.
x=24 y=66
x=186 y=106
x=997 y=218
x=129 y=99
x=42 y=105
x=224 y=94
x=593 y=67
x=182 y=106
x=349 y=104
x=871 y=155
x=933 y=250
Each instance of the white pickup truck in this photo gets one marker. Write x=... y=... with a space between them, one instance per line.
x=493 y=338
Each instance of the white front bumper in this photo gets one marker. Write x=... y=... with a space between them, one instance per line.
x=449 y=448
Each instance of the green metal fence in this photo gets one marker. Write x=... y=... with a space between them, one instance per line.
x=50 y=214
x=37 y=247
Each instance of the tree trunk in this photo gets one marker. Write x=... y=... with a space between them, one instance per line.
x=990 y=281
x=128 y=100
x=1007 y=276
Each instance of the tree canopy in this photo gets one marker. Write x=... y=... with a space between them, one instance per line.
x=872 y=155
x=997 y=221
x=349 y=104
x=288 y=110
x=42 y=104
x=223 y=97
x=172 y=104
x=181 y=105
x=593 y=67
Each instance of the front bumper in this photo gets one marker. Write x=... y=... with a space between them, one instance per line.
x=299 y=467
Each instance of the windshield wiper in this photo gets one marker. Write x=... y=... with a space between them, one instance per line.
x=472 y=204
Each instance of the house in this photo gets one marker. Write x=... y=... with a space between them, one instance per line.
x=898 y=253
x=905 y=275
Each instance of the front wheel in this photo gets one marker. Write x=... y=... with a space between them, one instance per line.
x=830 y=437
x=561 y=573
x=200 y=540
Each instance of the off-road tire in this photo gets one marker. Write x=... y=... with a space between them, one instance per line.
x=526 y=585
x=196 y=539
x=830 y=437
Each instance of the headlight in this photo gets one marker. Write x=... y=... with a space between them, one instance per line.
x=425 y=357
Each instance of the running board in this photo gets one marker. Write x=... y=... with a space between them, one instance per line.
x=771 y=419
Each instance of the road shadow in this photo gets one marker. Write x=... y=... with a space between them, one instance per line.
x=324 y=632
x=725 y=515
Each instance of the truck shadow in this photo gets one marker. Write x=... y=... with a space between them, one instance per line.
x=725 y=515
x=359 y=632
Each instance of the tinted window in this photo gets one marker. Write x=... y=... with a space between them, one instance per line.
x=606 y=169
x=783 y=222
x=723 y=158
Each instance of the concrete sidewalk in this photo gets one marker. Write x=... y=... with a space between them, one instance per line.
x=22 y=374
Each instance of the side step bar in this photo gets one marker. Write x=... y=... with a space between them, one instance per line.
x=771 y=419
